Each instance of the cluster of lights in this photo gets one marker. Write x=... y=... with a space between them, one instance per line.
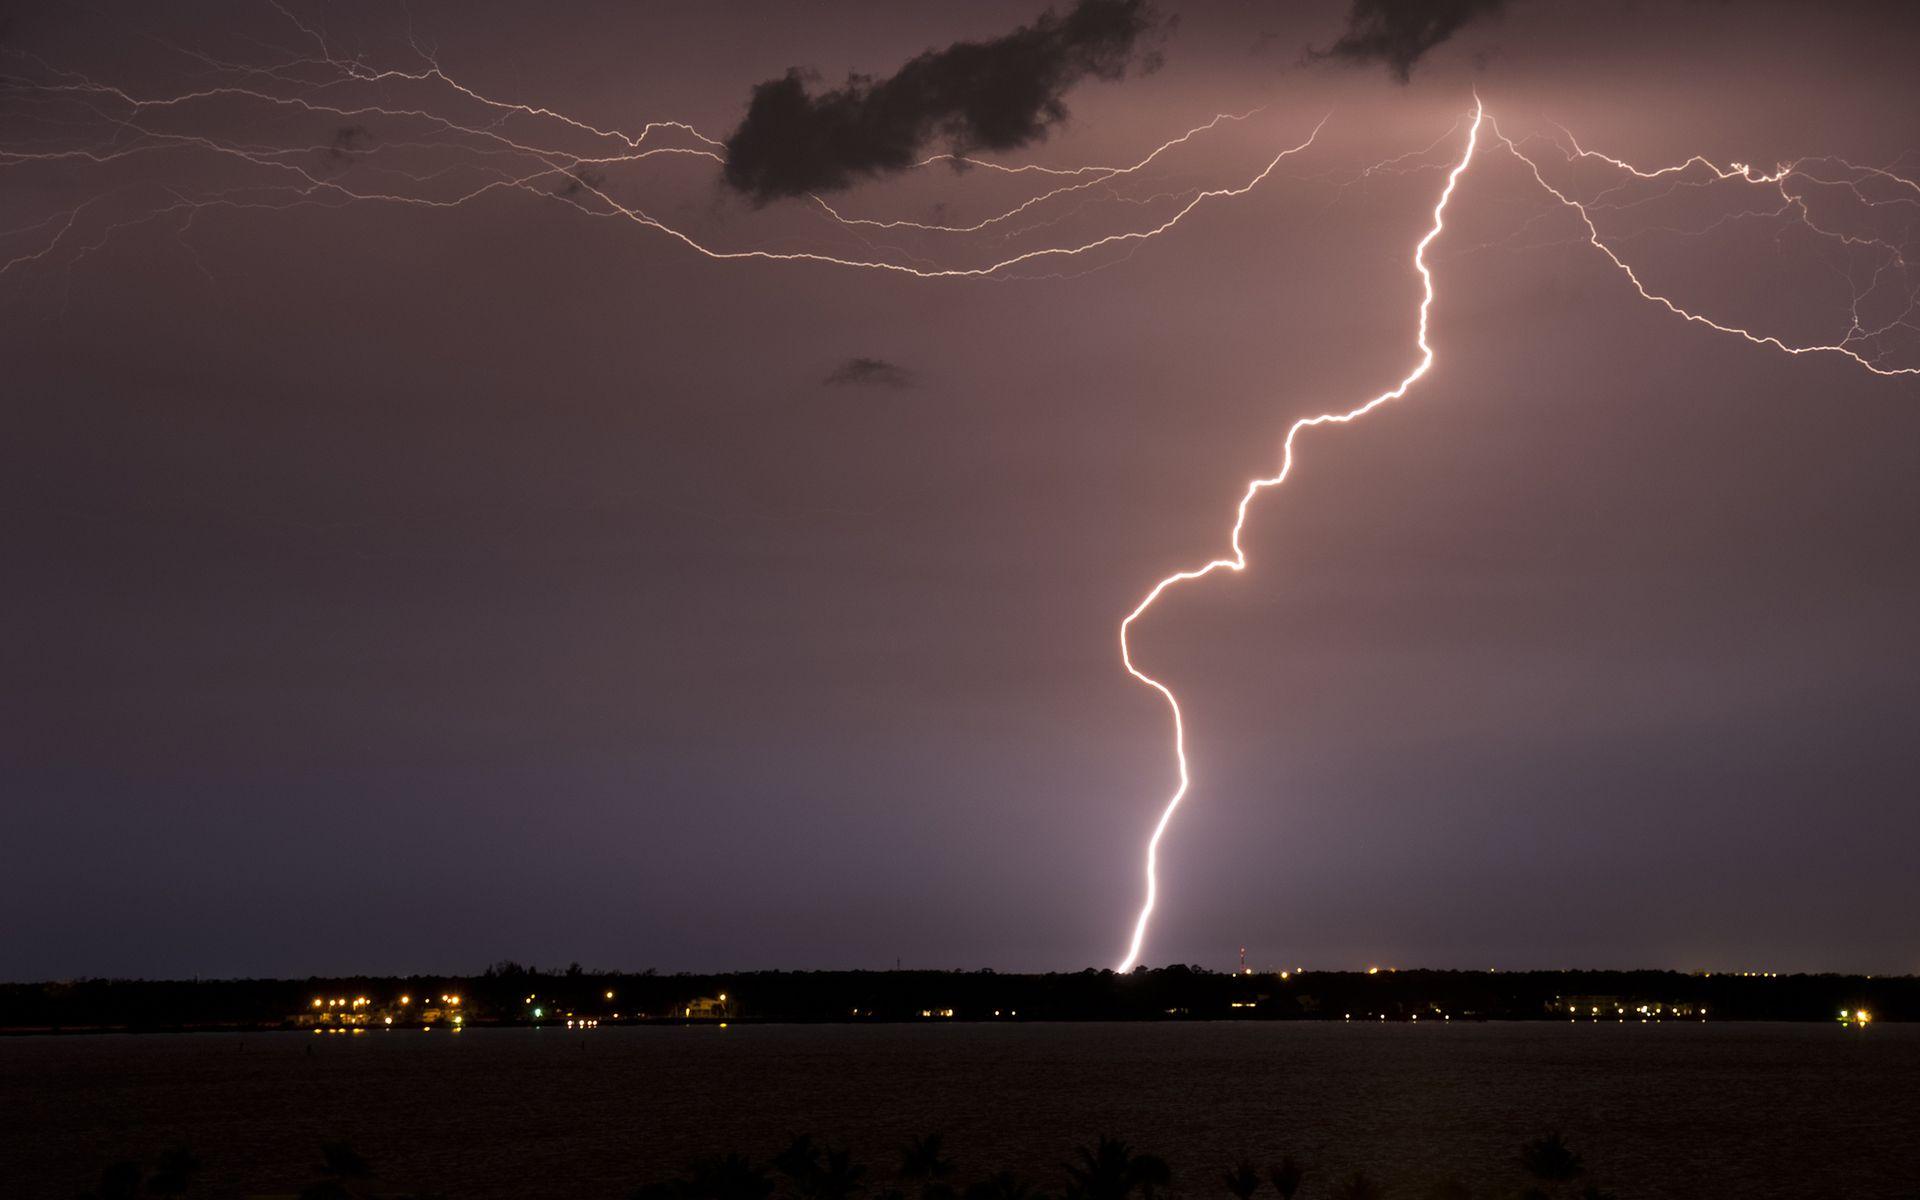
x=1855 y=1016
x=1646 y=1012
x=360 y=1010
x=1658 y=1011
x=584 y=1023
x=451 y=1001
x=936 y=1012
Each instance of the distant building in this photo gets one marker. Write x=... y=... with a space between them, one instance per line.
x=362 y=1012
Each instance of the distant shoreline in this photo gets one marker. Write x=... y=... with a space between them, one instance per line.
x=510 y=996
x=787 y=1023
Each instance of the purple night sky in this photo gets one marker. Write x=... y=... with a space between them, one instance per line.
x=395 y=587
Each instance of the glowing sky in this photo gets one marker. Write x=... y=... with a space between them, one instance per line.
x=396 y=589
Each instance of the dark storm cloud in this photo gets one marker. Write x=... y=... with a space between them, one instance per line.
x=870 y=372
x=348 y=141
x=581 y=179
x=994 y=95
x=1400 y=32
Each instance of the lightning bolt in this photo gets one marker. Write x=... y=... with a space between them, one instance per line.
x=1238 y=560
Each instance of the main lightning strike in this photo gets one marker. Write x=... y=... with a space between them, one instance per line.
x=1238 y=560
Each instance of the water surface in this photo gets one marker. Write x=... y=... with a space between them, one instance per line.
x=1674 y=1110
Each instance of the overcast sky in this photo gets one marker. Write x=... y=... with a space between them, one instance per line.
x=395 y=588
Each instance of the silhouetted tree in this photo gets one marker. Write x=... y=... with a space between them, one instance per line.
x=1286 y=1176
x=1002 y=1185
x=1150 y=1173
x=1108 y=1170
x=922 y=1163
x=800 y=1163
x=921 y=1159
x=839 y=1176
x=1112 y=1171
x=729 y=1177
x=343 y=1174
x=175 y=1172
x=121 y=1181
x=1357 y=1186
x=1243 y=1181
x=1550 y=1160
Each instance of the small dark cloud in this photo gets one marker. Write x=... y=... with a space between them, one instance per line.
x=1399 y=33
x=349 y=142
x=870 y=372
x=994 y=95
x=581 y=179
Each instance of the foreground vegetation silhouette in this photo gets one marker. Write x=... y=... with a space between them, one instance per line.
x=1545 y=1168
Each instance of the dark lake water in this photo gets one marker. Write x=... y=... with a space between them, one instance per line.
x=1657 y=1110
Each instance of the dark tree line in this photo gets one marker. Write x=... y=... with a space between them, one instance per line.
x=499 y=995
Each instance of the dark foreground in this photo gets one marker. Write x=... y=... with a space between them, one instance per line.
x=1659 y=1110
x=512 y=995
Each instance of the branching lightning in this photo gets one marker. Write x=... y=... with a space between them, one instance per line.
x=1858 y=336
x=481 y=158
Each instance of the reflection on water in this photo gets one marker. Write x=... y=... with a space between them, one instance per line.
x=1657 y=1110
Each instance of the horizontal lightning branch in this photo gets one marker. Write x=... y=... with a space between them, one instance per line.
x=498 y=146
x=1858 y=336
